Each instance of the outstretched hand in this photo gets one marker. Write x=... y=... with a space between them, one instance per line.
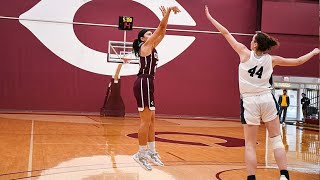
x=164 y=10
x=175 y=9
x=316 y=51
x=206 y=10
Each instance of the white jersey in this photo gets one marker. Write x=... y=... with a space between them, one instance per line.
x=255 y=75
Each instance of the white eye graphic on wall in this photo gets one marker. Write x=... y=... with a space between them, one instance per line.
x=62 y=41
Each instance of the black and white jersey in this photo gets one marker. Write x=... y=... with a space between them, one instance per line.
x=255 y=75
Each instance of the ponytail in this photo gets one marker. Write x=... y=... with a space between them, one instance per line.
x=265 y=42
x=136 y=47
x=137 y=43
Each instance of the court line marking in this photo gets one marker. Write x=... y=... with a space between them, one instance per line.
x=267 y=146
x=300 y=170
x=176 y=163
x=176 y=156
x=30 y=151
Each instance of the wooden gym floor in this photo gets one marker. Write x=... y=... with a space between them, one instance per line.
x=60 y=147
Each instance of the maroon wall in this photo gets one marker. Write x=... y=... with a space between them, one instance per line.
x=296 y=24
x=202 y=81
x=298 y=18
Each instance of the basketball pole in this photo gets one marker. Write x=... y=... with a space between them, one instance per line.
x=117 y=75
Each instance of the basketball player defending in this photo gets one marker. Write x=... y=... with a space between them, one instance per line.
x=257 y=102
x=144 y=48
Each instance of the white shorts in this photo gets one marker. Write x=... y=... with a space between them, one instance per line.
x=260 y=107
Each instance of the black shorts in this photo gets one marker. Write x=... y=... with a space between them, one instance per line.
x=143 y=92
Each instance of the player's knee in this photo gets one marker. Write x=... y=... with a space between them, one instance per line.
x=145 y=123
x=277 y=142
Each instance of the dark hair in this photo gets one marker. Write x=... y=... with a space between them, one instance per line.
x=137 y=43
x=265 y=42
x=285 y=90
x=303 y=94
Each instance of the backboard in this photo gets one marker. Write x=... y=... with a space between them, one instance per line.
x=118 y=50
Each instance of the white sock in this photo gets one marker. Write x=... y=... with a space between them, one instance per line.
x=142 y=149
x=152 y=146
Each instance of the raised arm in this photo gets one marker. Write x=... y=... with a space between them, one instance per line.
x=163 y=33
x=159 y=33
x=241 y=49
x=280 y=61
